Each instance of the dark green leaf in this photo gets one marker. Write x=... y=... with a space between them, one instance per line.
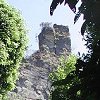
x=61 y=1
x=77 y=17
x=53 y=6
x=83 y=28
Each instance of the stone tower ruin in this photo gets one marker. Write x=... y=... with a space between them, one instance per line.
x=56 y=39
x=33 y=83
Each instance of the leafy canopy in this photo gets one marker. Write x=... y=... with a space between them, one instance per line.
x=65 y=70
x=13 y=42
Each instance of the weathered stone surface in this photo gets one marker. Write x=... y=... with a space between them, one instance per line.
x=34 y=83
x=55 y=39
x=46 y=38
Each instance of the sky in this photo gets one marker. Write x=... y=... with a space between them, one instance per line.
x=36 y=11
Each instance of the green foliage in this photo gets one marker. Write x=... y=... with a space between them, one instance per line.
x=64 y=78
x=64 y=68
x=13 y=42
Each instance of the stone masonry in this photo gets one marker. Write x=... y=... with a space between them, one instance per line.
x=34 y=83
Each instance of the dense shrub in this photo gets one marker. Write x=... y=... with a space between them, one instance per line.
x=66 y=69
x=13 y=42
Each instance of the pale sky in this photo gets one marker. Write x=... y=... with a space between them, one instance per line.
x=36 y=11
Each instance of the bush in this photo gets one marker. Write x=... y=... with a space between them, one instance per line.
x=13 y=42
x=64 y=68
x=64 y=78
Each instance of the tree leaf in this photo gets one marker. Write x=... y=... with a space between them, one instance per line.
x=53 y=6
x=66 y=1
x=72 y=4
x=83 y=28
x=72 y=7
x=61 y=1
x=77 y=17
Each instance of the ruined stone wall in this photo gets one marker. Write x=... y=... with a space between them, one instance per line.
x=56 y=39
x=33 y=83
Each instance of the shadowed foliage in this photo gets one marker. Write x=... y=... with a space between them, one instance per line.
x=88 y=66
x=89 y=8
